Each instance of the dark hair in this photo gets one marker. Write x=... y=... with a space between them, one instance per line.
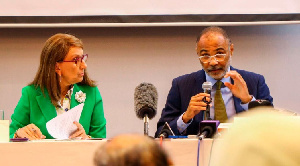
x=55 y=49
x=128 y=150
x=214 y=29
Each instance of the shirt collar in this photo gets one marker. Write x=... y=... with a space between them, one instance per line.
x=68 y=96
x=213 y=81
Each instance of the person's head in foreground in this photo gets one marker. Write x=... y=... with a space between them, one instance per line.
x=131 y=150
x=264 y=138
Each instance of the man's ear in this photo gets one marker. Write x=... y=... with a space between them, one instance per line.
x=196 y=48
x=231 y=49
x=57 y=68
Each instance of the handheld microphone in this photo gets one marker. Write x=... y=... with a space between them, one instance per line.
x=145 y=103
x=166 y=131
x=258 y=103
x=207 y=86
x=208 y=128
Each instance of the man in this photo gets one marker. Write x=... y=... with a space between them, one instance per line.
x=236 y=88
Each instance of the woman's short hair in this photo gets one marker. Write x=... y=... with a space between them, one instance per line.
x=55 y=49
x=131 y=149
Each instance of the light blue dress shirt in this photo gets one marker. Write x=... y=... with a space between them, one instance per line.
x=228 y=101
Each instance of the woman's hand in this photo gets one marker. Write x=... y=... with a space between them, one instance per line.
x=31 y=131
x=80 y=132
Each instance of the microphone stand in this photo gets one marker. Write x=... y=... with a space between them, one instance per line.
x=203 y=135
x=146 y=125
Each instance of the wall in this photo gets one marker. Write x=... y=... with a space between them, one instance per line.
x=121 y=58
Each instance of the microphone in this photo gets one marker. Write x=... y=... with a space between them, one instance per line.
x=208 y=128
x=258 y=103
x=207 y=86
x=145 y=103
x=166 y=131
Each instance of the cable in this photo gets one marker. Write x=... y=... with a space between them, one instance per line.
x=211 y=149
x=198 y=152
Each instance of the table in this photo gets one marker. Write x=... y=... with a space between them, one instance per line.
x=184 y=151
x=63 y=153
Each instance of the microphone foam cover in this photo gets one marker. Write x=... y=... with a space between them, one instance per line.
x=145 y=100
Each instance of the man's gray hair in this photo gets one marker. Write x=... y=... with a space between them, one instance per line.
x=214 y=29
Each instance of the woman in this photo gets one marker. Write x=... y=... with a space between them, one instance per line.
x=60 y=84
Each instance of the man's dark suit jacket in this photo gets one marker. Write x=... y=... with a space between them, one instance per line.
x=186 y=86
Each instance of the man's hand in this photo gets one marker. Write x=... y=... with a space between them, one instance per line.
x=195 y=106
x=239 y=89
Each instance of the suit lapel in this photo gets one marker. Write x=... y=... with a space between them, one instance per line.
x=200 y=79
x=45 y=105
x=238 y=107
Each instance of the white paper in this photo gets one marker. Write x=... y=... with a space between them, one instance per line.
x=61 y=127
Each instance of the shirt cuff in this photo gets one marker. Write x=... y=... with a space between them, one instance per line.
x=181 y=126
x=245 y=106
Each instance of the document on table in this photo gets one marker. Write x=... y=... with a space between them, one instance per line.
x=61 y=127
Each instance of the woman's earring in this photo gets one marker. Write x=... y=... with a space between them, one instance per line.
x=59 y=74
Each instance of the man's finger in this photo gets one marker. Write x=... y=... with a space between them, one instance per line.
x=198 y=103
x=228 y=85
x=198 y=108
x=199 y=98
x=233 y=74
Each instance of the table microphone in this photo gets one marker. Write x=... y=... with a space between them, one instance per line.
x=166 y=131
x=145 y=103
x=208 y=128
x=259 y=103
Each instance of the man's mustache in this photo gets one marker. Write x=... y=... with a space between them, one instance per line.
x=215 y=68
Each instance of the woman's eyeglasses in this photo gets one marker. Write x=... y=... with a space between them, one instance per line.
x=78 y=60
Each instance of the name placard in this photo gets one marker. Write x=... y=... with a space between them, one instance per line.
x=4 y=130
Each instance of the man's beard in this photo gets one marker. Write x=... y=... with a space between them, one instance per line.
x=220 y=74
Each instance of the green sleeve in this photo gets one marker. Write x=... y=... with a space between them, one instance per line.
x=98 y=121
x=20 y=117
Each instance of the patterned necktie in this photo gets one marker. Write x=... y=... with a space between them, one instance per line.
x=220 y=109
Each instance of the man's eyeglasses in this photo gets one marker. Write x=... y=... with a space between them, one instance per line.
x=207 y=58
x=78 y=60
